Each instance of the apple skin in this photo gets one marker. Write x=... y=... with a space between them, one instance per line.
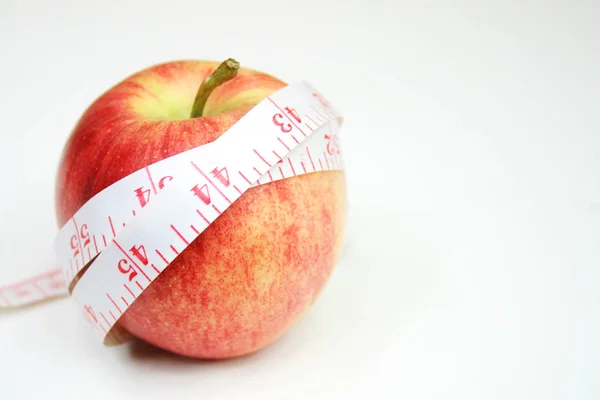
x=260 y=266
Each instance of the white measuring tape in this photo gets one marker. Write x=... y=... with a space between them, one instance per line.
x=136 y=227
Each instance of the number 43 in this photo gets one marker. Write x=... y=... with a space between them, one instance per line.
x=286 y=127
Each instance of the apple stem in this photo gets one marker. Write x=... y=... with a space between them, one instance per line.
x=226 y=71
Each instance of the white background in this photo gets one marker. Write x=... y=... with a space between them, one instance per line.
x=471 y=140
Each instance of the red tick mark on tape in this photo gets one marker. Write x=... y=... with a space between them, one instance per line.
x=104 y=240
x=129 y=290
x=243 y=176
x=311 y=120
x=151 y=180
x=303 y=167
x=261 y=157
x=180 y=235
x=115 y=304
x=112 y=315
x=203 y=217
x=138 y=285
x=194 y=229
x=112 y=228
x=319 y=114
x=125 y=301
x=327 y=113
x=104 y=318
x=216 y=209
x=174 y=249
x=310 y=158
x=238 y=190
x=161 y=256
x=155 y=269
x=39 y=288
x=284 y=145
x=292 y=166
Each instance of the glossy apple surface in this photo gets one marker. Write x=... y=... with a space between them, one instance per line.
x=260 y=265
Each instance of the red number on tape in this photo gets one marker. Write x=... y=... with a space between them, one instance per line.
x=161 y=183
x=202 y=193
x=285 y=127
x=218 y=174
x=74 y=246
x=333 y=144
x=129 y=270
x=84 y=234
x=83 y=231
x=143 y=195
x=140 y=253
x=294 y=114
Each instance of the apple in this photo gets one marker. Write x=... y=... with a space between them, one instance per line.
x=261 y=265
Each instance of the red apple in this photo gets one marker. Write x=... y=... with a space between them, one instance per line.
x=259 y=266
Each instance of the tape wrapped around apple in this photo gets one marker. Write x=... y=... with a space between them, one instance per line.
x=261 y=265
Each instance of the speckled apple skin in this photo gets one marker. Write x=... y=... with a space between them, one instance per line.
x=259 y=266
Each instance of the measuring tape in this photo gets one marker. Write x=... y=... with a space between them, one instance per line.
x=131 y=231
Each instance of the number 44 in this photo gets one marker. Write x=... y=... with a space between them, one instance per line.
x=292 y=112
